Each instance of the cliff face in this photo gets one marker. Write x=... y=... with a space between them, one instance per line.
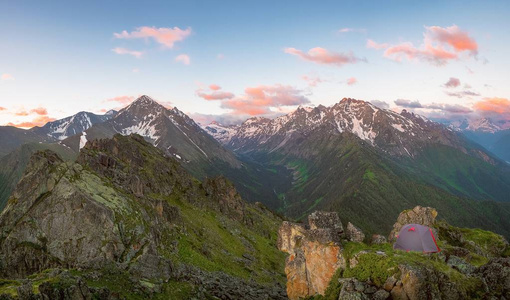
x=314 y=254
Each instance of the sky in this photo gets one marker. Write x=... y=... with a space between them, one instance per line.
x=230 y=60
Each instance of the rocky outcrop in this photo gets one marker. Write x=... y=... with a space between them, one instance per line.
x=125 y=206
x=314 y=254
x=60 y=215
x=496 y=278
x=378 y=239
x=418 y=215
x=225 y=197
x=357 y=290
x=354 y=234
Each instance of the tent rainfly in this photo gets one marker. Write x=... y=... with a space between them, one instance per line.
x=416 y=237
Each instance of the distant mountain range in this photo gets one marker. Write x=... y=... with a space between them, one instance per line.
x=493 y=136
x=362 y=161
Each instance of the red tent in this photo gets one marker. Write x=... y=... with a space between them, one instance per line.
x=416 y=237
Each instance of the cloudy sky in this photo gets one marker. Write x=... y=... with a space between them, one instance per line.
x=229 y=60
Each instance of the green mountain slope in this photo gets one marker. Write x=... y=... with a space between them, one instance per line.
x=12 y=137
x=341 y=173
x=13 y=165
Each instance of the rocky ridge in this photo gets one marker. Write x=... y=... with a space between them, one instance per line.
x=401 y=134
x=125 y=208
x=473 y=264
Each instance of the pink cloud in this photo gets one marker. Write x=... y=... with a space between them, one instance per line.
x=260 y=99
x=440 y=45
x=452 y=83
x=347 y=29
x=40 y=111
x=164 y=36
x=352 y=81
x=312 y=81
x=461 y=94
x=123 y=51
x=493 y=105
x=216 y=95
x=2 y=108
x=375 y=45
x=38 y=121
x=498 y=109
x=124 y=100
x=453 y=36
x=322 y=56
x=183 y=58
x=6 y=76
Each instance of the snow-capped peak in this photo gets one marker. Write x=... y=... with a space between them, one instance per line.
x=483 y=125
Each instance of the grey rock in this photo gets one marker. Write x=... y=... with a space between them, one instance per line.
x=378 y=239
x=354 y=234
x=381 y=295
x=460 y=265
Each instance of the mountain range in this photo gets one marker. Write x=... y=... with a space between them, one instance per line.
x=494 y=136
x=362 y=161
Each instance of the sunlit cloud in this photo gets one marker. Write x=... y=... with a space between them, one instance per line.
x=352 y=81
x=38 y=121
x=347 y=30
x=498 y=109
x=312 y=81
x=123 y=51
x=323 y=56
x=2 y=108
x=444 y=107
x=260 y=99
x=452 y=83
x=440 y=45
x=375 y=45
x=6 y=76
x=214 y=93
x=123 y=100
x=408 y=103
x=183 y=58
x=164 y=36
x=493 y=105
x=462 y=94
x=214 y=87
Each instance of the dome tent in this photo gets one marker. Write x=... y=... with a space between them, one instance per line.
x=416 y=237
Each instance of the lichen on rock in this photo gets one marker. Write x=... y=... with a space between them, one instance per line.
x=314 y=254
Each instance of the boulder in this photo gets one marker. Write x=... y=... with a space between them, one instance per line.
x=418 y=215
x=314 y=254
x=381 y=295
x=352 y=289
x=354 y=234
x=378 y=239
x=496 y=275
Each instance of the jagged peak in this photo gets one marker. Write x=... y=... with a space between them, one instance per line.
x=256 y=120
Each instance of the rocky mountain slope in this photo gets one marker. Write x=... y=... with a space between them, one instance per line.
x=168 y=129
x=180 y=137
x=12 y=166
x=131 y=222
x=64 y=128
x=325 y=262
x=367 y=163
